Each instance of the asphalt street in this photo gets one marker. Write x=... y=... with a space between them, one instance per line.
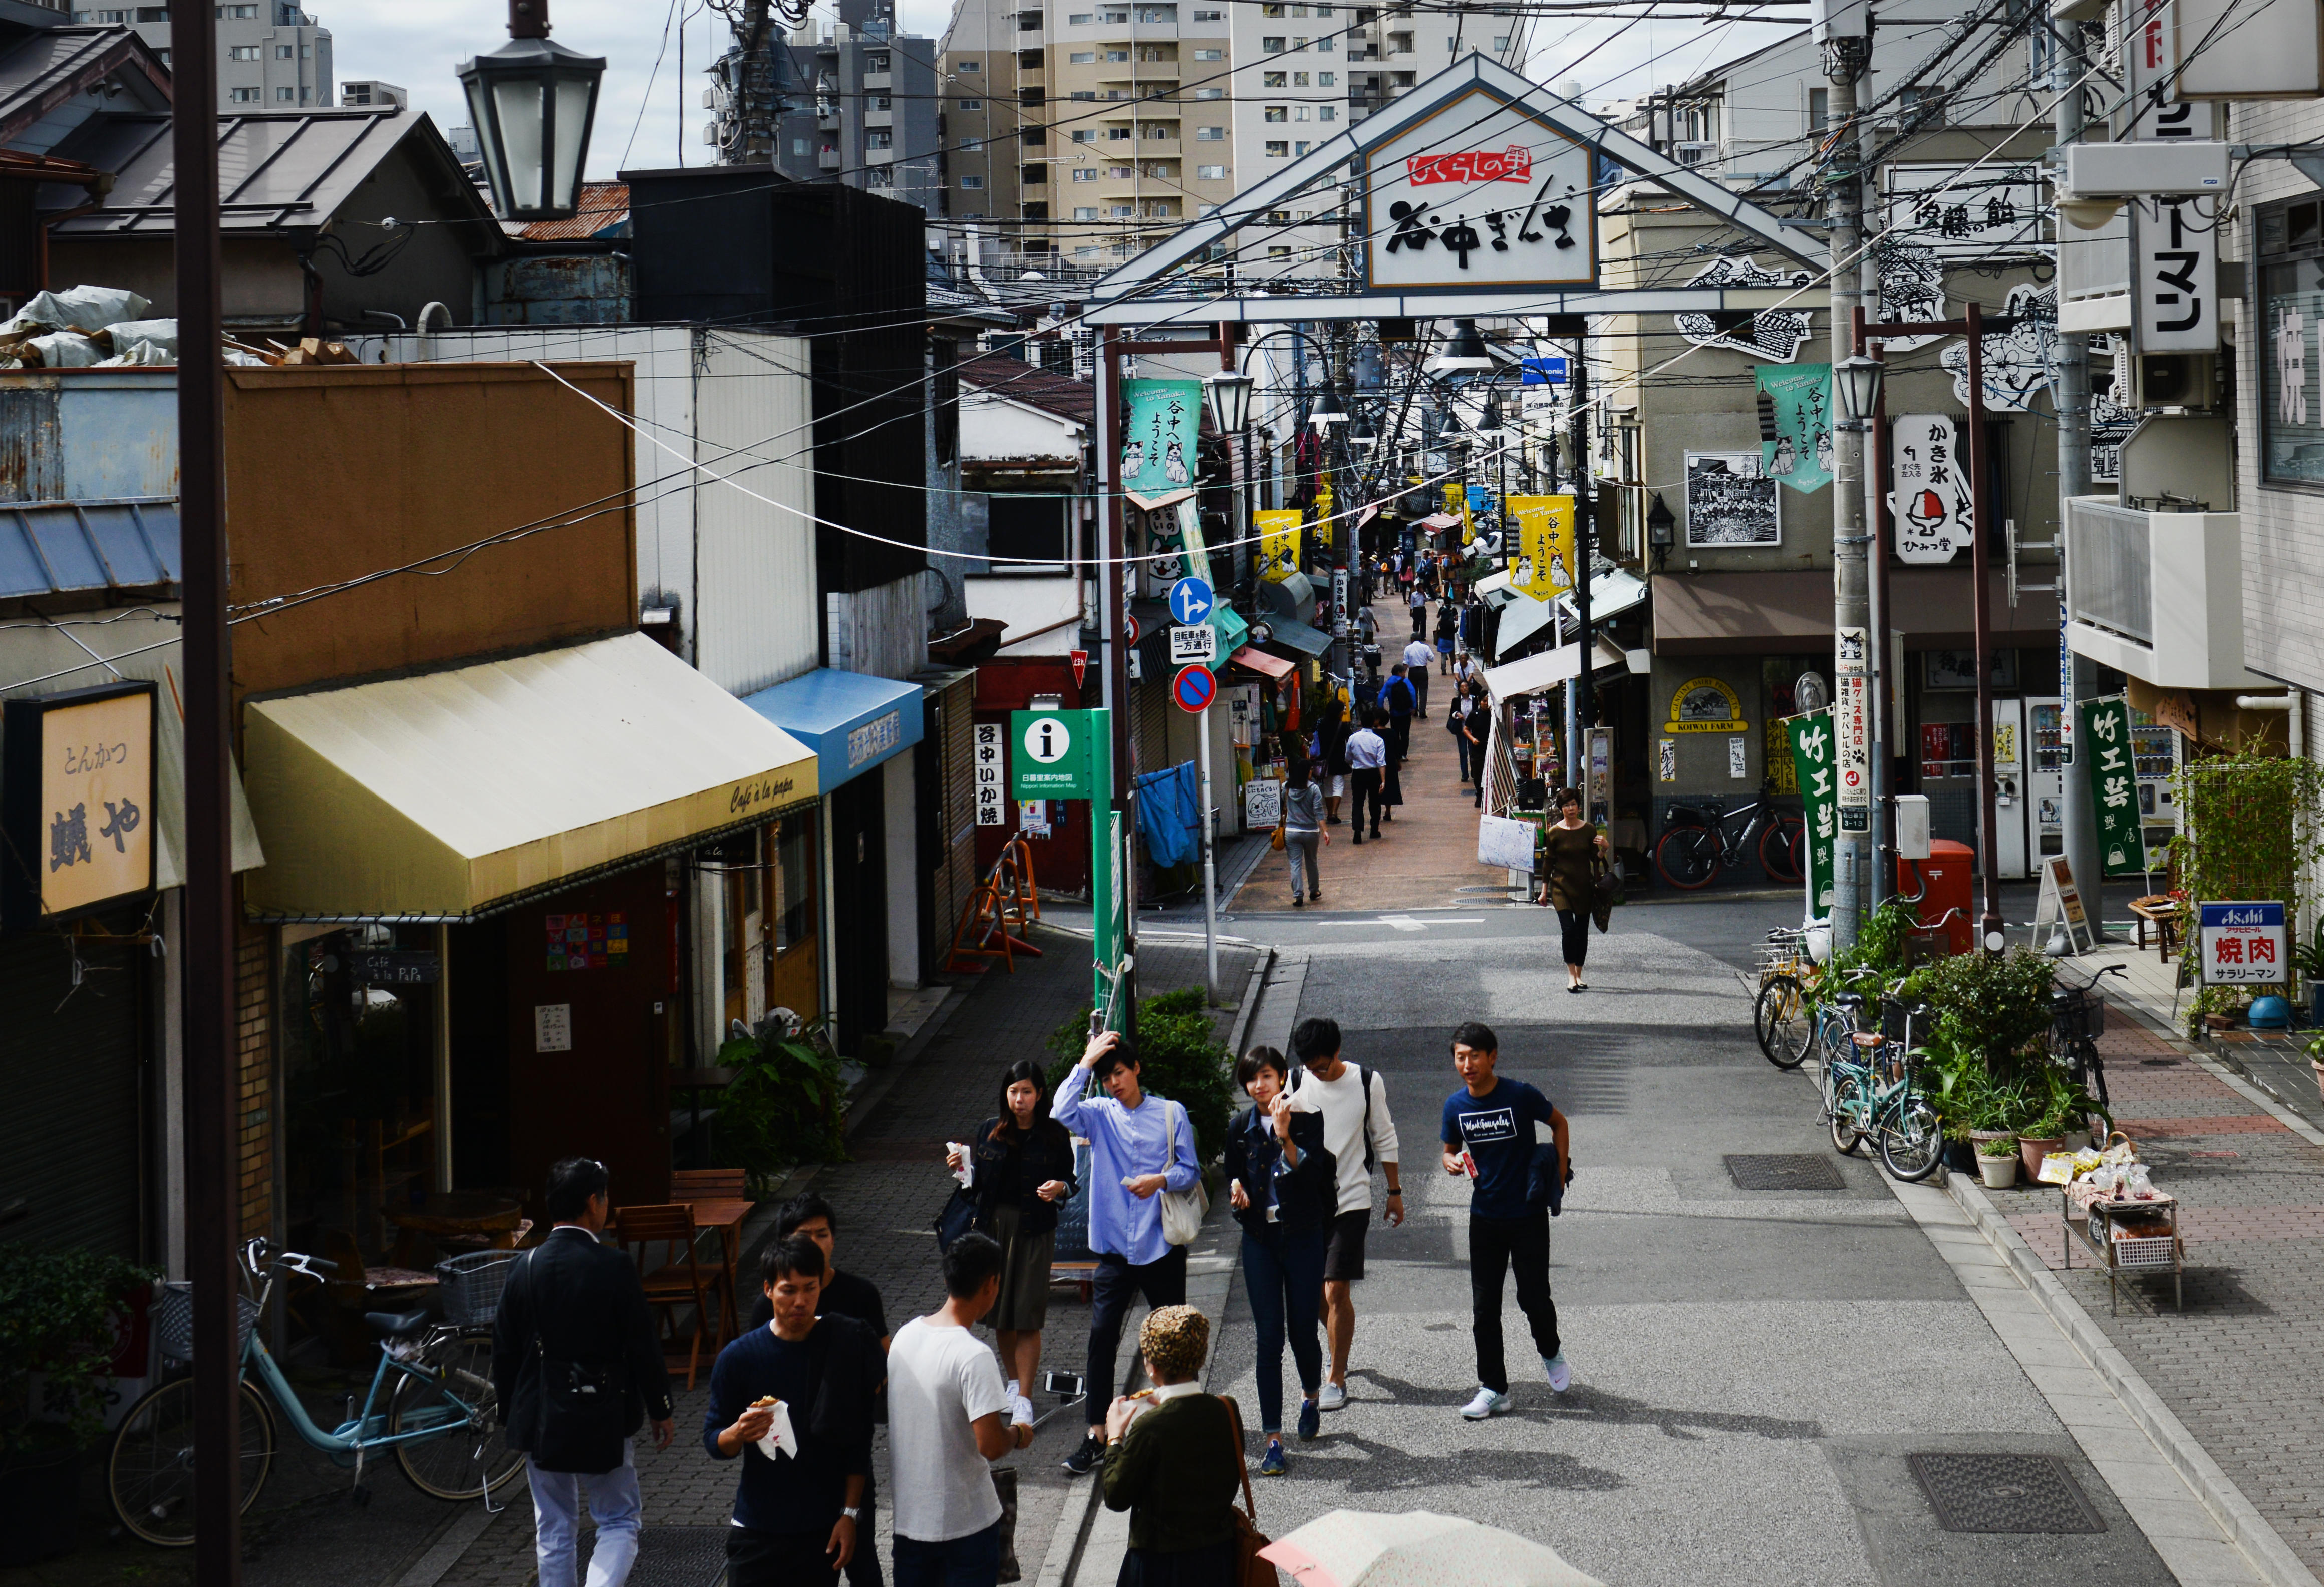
x=1751 y=1369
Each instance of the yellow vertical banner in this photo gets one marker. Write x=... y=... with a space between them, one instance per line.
x=1279 y=543
x=1323 y=524
x=1545 y=548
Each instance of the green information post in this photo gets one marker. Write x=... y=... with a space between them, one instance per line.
x=2104 y=749
x=1069 y=755
x=1811 y=737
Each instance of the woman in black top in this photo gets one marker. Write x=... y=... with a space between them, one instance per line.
x=1024 y=1162
x=1286 y=1189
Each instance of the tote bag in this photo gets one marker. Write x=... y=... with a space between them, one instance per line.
x=1183 y=1211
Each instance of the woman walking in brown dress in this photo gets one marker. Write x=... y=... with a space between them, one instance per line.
x=1574 y=850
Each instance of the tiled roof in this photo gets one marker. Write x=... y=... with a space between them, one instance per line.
x=1032 y=385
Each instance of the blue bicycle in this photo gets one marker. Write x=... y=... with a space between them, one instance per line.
x=1875 y=1097
x=431 y=1401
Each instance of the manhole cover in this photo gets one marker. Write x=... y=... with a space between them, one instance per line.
x=1796 y=1171
x=671 y=1556
x=2004 y=1493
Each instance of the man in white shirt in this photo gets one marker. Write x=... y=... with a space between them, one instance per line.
x=944 y=1404
x=1367 y=760
x=1417 y=655
x=1360 y=1131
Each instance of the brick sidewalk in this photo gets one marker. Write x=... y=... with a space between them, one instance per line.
x=887 y=1199
x=2243 y=1366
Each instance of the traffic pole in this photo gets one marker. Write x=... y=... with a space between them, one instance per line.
x=1210 y=863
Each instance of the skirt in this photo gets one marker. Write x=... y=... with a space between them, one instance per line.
x=1210 y=1566
x=1024 y=1304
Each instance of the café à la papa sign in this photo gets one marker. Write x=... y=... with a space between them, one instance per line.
x=1482 y=194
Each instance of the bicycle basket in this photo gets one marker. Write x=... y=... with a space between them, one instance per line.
x=2079 y=1013
x=173 y=1322
x=471 y=1286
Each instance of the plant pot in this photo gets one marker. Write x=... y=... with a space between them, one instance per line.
x=2077 y=1141
x=1998 y=1173
x=40 y=1507
x=2031 y=1151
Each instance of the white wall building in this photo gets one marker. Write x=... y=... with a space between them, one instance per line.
x=272 y=55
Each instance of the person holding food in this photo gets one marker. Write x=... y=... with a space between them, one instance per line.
x=1023 y=1162
x=793 y=1402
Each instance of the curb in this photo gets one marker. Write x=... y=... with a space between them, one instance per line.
x=2259 y=1542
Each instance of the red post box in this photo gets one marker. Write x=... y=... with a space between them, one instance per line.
x=1949 y=873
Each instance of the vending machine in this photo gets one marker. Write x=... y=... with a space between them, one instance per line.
x=2009 y=800
x=2045 y=778
x=2154 y=757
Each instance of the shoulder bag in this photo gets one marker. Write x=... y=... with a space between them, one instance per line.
x=1250 y=1570
x=584 y=1413
x=1183 y=1211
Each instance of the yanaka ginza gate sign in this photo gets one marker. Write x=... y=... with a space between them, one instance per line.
x=1482 y=193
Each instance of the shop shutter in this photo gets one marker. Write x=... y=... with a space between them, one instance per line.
x=71 y=1136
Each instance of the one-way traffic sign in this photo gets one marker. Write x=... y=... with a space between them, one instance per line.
x=1199 y=643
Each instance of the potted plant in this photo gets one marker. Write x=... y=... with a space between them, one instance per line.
x=784 y=1104
x=60 y=1317
x=2308 y=961
x=2315 y=1051
x=2045 y=1135
x=1996 y=1161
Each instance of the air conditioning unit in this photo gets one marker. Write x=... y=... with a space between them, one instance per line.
x=2176 y=380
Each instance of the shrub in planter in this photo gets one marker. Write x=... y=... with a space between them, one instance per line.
x=1178 y=1057
x=2003 y=1146
x=1996 y=1006
x=783 y=1106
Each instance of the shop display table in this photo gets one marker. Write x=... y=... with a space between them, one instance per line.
x=2128 y=1236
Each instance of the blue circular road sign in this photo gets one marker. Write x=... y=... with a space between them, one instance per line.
x=1191 y=600
x=1194 y=688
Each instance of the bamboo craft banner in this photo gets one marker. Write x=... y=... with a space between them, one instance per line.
x=1812 y=752
x=2104 y=749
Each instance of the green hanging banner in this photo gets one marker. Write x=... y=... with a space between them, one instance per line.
x=2103 y=747
x=1812 y=753
x=1800 y=454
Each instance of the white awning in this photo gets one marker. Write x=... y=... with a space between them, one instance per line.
x=1547 y=669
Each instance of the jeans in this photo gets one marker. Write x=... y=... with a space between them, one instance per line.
x=1496 y=1245
x=1162 y=1283
x=556 y=1512
x=786 y=1559
x=1283 y=1275
x=1400 y=736
x=1460 y=745
x=1575 y=925
x=1302 y=846
x=1419 y=679
x=973 y=1561
x=1364 y=783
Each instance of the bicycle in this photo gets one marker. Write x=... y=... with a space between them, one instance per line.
x=1787 y=1031
x=441 y=1417
x=2076 y=1019
x=1696 y=844
x=1881 y=1099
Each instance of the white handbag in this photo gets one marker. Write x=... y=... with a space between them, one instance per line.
x=1183 y=1211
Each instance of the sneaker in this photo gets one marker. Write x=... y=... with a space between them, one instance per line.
x=1486 y=1403
x=1560 y=1374
x=1022 y=1408
x=1297 y=902
x=1310 y=1420
x=1335 y=1397
x=1085 y=1459
x=1273 y=1464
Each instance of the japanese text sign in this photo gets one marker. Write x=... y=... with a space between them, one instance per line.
x=1157 y=447
x=991 y=763
x=1812 y=755
x=1052 y=754
x=1958 y=212
x=1279 y=543
x=1801 y=397
x=1482 y=194
x=2104 y=750
x=1935 y=513
x=76 y=800
x=2175 y=265
x=2244 y=944
x=1543 y=567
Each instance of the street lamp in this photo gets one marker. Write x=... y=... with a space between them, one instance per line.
x=1463 y=356
x=1662 y=525
x=1362 y=436
x=1327 y=410
x=1856 y=382
x=1489 y=427
x=532 y=101
x=1227 y=395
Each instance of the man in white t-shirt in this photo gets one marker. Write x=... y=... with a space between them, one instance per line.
x=1360 y=1131
x=945 y=1400
x=1417 y=655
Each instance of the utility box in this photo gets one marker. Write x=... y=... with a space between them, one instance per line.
x=1912 y=826
x=1950 y=876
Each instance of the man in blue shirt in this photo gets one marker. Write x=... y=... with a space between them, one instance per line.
x=1489 y=1136
x=1140 y=1147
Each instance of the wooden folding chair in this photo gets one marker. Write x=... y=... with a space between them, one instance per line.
x=708 y=1184
x=682 y=1280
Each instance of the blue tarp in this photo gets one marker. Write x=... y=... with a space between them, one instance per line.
x=1169 y=814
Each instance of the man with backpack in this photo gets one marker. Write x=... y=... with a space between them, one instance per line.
x=1399 y=699
x=575 y=1361
x=1359 y=1132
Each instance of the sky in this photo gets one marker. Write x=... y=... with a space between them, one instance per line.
x=649 y=113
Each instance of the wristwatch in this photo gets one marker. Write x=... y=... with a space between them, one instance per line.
x=852 y=1513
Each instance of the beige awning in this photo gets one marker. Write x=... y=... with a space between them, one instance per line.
x=452 y=793
x=1548 y=669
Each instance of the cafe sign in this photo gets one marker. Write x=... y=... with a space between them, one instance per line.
x=75 y=801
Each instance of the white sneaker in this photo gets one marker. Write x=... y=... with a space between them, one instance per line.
x=1020 y=1409
x=1333 y=1396
x=1486 y=1403
x=1560 y=1374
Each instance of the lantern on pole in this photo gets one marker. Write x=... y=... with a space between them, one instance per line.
x=532 y=101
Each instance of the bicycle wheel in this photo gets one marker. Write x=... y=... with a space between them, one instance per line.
x=1687 y=857
x=1848 y=1116
x=1781 y=1020
x=470 y=1455
x=1783 y=848
x=1911 y=1139
x=150 y=1473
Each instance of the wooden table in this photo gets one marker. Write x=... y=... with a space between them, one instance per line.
x=456 y=1213
x=727 y=1217
x=2160 y=911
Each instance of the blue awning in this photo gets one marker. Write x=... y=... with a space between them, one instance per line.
x=63 y=548
x=851 y=720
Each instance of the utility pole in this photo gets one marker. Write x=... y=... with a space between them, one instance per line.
x=2077 y=677
x=1847 y=54
x=1585 y=699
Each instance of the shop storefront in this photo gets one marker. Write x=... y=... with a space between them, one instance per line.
x=475 y=889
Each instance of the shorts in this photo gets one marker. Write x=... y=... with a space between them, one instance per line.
x=1339 y=789
x=1343 y=1255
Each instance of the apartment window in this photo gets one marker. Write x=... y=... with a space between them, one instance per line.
x=1166 y=15
x=1122 y=173
x=972 y=104
x=1083 y=94
x=879 y=138
x=1298 y=80
x=1115 y=16
x=1082 y=58
x=1301 y=147
x=1033 y=137
x=1328 y=113
x=226 y=13
x=1029 y=21
x=1277 y=149
x=1209 y=55
x=1162 y=131
x=242 y=53
x=970 y=145
x=1085 y=212
x=152 y=13
x=1210 y=16
x=1276 y=112
x=282 y=94
x=1092 y=252
x=1210 y=93
x=1124 y=211
x=1279 y=217
x=1211 y=173
x=877 y=61
x=1117 y=134
x=282 y=52
x=972 y=183
x=798 y=148
x=1271 y=10
x=1819 y=109
x=1031 y=97
x=1083 y=175
x=1273 y=79
x=1501 y=43
x=1399 y=44
x=1117 y=55
x=882 y=102
x=1324 y=79
x=244 y=96
x=1298 y=42
x=1299 y=113
x=1272 y=43
x=1084 y=134
x=1278 y=252
x=1079 y=19
x=1324 y=44
x=1035 y=211
x=971 y=66
x=1210 y=135
x=305 y=95
x=1032 y=176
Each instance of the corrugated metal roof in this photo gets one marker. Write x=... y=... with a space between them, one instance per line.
x=603 y=205
x=69 y=548
x=1032 y=385
x=276 y=173
x=39 y=72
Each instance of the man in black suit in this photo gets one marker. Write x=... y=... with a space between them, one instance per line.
x=578 y=1304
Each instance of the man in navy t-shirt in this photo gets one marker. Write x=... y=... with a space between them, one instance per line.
x=1489 y=1136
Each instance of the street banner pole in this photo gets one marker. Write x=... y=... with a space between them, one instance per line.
x=1210 y=863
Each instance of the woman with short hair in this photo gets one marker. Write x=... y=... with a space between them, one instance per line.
x=1284 y=1185
x=1174 y=1461
x=1575 y=851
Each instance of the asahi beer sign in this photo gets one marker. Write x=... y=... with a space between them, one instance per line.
x=1482 y=194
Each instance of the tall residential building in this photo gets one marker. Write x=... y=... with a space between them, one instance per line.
x=863 y=107
x=979 y=125
x=272 y=55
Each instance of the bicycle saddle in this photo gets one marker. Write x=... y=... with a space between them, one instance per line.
x=1867 y=1038
x=396 y=1322
x=1849 y=999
